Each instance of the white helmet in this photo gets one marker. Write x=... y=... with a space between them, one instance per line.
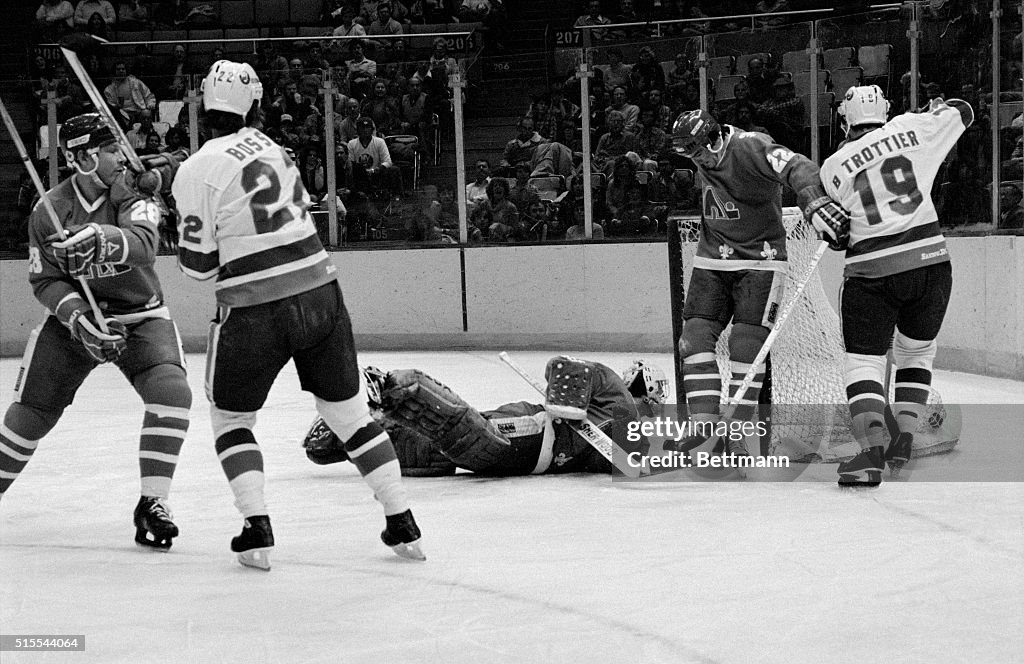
x=231 y=87
x=646 y=380
x=864 y=105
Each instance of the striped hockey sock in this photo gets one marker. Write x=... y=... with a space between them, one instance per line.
x=867 y=410
x=913 y=386
x=242 y=461
x=163 y=432
x=372 y=452
x=15 y=451
x=747 y=406
x=703 y=385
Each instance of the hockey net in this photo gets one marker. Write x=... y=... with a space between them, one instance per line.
x=809 y=416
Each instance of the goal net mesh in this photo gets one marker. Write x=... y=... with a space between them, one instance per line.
x=810 y=420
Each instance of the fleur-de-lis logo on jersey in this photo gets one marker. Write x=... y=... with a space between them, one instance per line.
x=725 y=251
x=769 y=253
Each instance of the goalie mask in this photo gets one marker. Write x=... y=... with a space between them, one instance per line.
x=698 y=136
x=864 y=105
x=231 y=87
x=646 y=381
x=84 y=132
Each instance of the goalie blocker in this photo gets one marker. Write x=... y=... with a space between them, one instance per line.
x=435 y=431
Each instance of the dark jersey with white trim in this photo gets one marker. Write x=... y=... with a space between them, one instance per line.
x=129 y=286
x=741 y=215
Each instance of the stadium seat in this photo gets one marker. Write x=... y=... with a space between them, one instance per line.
x=312 y=31
x=876 y=61
x=303 y=12
x=168 y=111
x=172 y=37
x=826 y=101
x=802 y=82
x=240 y=49
x=134 y=35
x=845 y=78
x=720 y=66
x=272 y=12
x=202 y=44
x=237 y=13
x=549 y=186
x=1008 y=110
x=726 y=85
x=405 y=153
x=835 y=58
x=796 y=61
x=423 y=43
x=742 y=60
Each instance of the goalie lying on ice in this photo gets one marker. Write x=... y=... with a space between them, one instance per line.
x=435 y=431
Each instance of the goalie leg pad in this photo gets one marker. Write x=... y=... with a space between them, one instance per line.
x=417 y=455
x=418 y=402
x=570 y=386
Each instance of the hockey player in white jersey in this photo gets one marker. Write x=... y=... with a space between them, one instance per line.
x=898 y=275
x=245 y=220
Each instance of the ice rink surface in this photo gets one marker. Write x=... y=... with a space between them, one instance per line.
x=534 y=569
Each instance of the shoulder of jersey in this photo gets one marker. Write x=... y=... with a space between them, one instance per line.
x=751 y=141
x=60 y=196
x=210 y=165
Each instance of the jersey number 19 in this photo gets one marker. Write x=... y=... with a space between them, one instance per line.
x=904 y=187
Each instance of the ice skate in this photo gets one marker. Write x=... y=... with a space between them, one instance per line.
x=899 y=453
x=863 y=470
x=153 y=525
x=684 y=445
x=403 y=536
x=253 y=545
x=737 y=449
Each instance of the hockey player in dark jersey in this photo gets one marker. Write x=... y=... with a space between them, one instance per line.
x=435 y=431
x=898 y=275
x=245 y=221
x=739 y=270
x=112 y=241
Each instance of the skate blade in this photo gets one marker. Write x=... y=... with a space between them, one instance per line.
x=860 y=481
x=932 y=450
x=895 y=467
x=410 y=550
x=146 y=540
x=257 y=558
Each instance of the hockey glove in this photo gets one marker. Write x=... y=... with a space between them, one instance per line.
x=159 y=173
x=84 y=246
x=103 y=346
x=831 y=221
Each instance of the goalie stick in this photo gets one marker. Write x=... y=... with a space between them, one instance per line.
x=48 y=206
x=597 y=439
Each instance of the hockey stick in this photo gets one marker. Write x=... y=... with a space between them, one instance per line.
x=101 y=105
x=48 y=206
x=733 y=402
x=597 y=439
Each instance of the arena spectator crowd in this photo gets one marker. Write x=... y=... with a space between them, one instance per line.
x=533 y=190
